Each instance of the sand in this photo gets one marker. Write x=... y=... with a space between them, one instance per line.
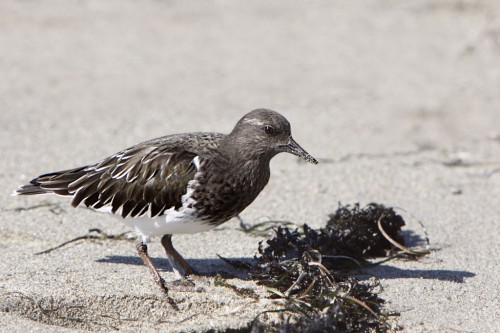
x=399 y=100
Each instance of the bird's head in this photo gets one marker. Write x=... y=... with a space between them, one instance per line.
x=265 y=133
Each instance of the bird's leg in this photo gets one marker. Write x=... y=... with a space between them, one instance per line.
x=179 y=265
x=142 y=250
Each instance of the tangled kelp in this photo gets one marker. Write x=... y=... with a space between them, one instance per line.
x=356 y=232
x=309 y=268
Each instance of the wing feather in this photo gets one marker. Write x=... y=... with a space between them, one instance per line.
x=153 y=180
x=148 y=178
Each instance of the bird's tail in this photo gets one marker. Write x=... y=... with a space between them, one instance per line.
x=54 y=182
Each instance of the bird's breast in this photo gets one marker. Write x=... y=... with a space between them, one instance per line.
x=222 y=192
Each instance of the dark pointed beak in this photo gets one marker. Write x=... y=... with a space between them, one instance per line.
x=293 y=147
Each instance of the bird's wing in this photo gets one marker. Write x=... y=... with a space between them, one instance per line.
x=148 y=178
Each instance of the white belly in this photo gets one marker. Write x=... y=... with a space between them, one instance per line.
x=173 y=222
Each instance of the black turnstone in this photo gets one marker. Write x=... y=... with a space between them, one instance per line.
x=182 y=183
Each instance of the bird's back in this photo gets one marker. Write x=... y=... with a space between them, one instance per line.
x=147 y=178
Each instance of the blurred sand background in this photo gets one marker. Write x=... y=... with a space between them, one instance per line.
x=400 y=101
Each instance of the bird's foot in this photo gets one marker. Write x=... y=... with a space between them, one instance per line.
x=185 y=285
x=163 y=285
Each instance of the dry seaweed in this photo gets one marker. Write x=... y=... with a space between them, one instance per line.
x=308 y=269
x=318 y=298
x=94 y=233
x=356 y=232
x=262 y=229
x=243 y=292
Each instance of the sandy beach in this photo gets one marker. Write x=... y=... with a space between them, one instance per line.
x=398 y=100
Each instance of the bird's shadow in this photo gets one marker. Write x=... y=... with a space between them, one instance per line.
x=208 y=267
x=211 y=267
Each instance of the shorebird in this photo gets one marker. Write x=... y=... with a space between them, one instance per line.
x=181 y=183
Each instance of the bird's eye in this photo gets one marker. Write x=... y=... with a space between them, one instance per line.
x=269 y=130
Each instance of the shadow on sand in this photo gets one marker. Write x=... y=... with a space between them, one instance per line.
x=216 y=266
x=391 y=272
x=209 y=267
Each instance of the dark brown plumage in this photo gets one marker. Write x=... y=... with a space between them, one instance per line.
x=151 y=176
x=184 y=183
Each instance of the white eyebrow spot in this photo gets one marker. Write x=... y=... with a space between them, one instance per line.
x=253 y=122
